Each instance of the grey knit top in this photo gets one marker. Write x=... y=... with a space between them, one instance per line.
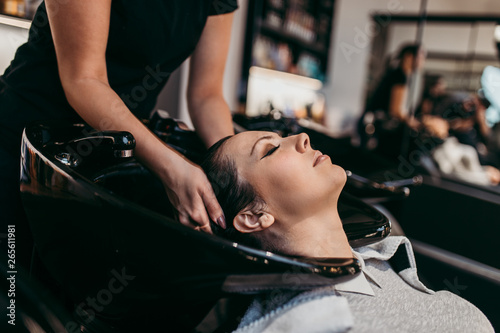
x=394 y=302
x=398 y=307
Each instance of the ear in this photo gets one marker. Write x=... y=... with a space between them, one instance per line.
x=247 y=221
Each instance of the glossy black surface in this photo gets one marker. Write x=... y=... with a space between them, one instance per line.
x=107 y=216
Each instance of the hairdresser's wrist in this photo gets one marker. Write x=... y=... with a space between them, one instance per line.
x=189 y=191
x=413 y=123
x=158 y=157
x=168 y=165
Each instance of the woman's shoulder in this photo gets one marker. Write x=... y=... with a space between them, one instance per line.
x=466 y=316
x=392 y=263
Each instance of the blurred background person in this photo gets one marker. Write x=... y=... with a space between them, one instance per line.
x=386 y=114
x=468 y=136
x=435 y=88
x=435 y=92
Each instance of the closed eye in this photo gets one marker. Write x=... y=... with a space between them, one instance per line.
x=271 y=151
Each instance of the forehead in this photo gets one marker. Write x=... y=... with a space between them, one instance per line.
x=243 y=142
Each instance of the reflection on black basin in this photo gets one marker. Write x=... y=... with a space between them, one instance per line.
x=102 y=225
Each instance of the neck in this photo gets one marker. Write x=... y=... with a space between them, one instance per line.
x=320 y=236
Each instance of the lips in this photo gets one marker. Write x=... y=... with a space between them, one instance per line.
x=319 y=157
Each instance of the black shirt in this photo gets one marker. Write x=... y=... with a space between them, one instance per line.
x=147 y=41
x=382 y=96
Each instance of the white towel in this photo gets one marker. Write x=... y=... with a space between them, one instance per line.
x=318 y=311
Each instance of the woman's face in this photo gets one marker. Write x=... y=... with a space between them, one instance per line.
x=439 y=88
x=291 y=177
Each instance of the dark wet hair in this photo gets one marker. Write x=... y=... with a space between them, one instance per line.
x=411 y=49
x=394 y=60
x=430 y=82
x=233 y=193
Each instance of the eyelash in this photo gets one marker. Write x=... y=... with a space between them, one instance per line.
x=271 y=151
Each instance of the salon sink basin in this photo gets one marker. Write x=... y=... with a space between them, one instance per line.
x=104 y=228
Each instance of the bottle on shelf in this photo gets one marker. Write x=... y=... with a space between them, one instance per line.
x=13 y=7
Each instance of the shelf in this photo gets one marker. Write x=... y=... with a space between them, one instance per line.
x=294 y=38
x=271 y=31
x=298 y=80
x=15 y=21
x=462 y=56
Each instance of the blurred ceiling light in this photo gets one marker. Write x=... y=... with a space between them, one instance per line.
x=497 y=33
x=297 y=80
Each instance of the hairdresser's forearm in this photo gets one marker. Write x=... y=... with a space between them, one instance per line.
x=397 y=102
x=484 y=129
x=103 y=109
x=211 y=118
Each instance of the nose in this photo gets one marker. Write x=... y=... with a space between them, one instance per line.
x=302 y=142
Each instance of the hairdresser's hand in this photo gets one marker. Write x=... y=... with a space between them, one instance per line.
x=493 y=174
x=436 y=126
x=192 y=196
x=413 y=123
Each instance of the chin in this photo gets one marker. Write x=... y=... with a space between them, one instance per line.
x=338 y=178
x=340 y=175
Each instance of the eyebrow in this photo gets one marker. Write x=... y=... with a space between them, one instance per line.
x=258 y=140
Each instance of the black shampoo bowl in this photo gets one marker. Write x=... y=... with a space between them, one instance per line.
x=103 y=228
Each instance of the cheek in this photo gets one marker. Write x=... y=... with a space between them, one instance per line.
x=294 y=186
x=289 y=174
x=293 y=183
x=293 y=176
x=281 y=179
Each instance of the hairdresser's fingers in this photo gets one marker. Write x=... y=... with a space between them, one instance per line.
x=184 y=220
x=199 y=216
x=185 y=192
x=213 y=208
x=205 y=228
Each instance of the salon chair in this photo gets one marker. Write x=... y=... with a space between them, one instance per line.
x=104 y=230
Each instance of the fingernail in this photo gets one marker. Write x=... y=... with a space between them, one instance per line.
x=221 y=221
